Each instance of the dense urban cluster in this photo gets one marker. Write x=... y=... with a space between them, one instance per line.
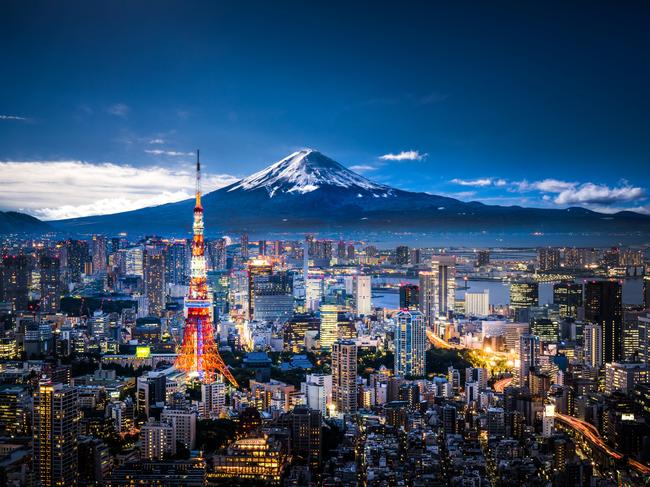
x=351 y=364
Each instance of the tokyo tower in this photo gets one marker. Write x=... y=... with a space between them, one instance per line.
x=198 y=355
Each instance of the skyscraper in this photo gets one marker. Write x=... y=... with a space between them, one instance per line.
x=15 y=281
x=482 y=258
x=363 y=295
x=177 y=260
x=603 y=306
x=444 y=271
x=409 y=296
x=344 y=376
x=593 y=344
x=410 y=343
x=259 y=267
x=50 y=283
x=402 y=255
x=329 y=324
x=568 y=296
x=529 y=348
x=56 y=427
x=438 y=289
x=477 y=304
x=549 y=258
x=523 y=295
x=76 y=257
x=243 y=246
x=154 y=279
x=99 y=253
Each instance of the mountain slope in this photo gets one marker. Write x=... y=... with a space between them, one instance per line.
x=14 y=222
x=308 y=191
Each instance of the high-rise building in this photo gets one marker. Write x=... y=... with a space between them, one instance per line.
x=218 y=254
x=183 y=423
x=150 y=389
x=296 y=328
x=318 y=391
x=643 y=326
x=409 y=296
x=154 y=280
x=15 y=410
x=529 y=349
x=50 y=283
x=135 y=261
x=76 y=252
x=477 y=304
x=157 y=439
x=330 y=316
x=307 y=436
x=363 y=295
x=593 y=344
x=272 y=297
x=547 y=329
x=256 y=269
x=344 y=377
x=427 y=297
x=177 y=263
x=568 y=296
x=548 y=258
x=15 y=275
x=603 y=306
x=410 y=344
x=100 y=256
x=262 y=248
x=213 y=399
x=340 y=250
x=482 y=258
x=351 y=254
x=56 y=427
x=523 y=295
x=402 y=255
x=646 y=291
x=243 y=246
x=444 y=271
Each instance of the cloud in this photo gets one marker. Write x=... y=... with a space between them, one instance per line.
x=160 y=152
x=13 y=117
x=411 y=155
x=156 y=141
x=362 y=168
x=54 y=190
x=481 y=182
x=595 y=194
x=119 y=110
x=545 y=185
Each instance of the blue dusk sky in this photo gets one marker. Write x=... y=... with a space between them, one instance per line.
x=532 y=103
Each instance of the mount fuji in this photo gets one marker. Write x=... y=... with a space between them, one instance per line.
x=308 y=191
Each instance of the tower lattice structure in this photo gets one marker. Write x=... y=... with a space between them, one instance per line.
x=198 y=355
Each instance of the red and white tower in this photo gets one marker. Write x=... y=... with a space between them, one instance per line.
x=198 y=355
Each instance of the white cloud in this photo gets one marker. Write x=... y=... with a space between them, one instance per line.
x=119 y=110
x=362 y=168
x=411 y=155
x=590 y=193
x=481 y=182
x=13 y=117
x=54 y=190
x=156 y=141
x=160 y=152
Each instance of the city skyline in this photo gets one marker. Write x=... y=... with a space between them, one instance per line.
x=474 y=103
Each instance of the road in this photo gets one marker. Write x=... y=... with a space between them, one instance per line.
x=590 y=432
x=501 y=384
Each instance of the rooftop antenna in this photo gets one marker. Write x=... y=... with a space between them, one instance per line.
x=198 y=179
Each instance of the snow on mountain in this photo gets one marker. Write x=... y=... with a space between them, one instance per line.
x=305 y=171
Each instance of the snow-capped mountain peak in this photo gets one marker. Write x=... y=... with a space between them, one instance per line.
x=305 y=171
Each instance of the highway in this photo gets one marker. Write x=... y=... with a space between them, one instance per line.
x=590 y=432
x=501 y=384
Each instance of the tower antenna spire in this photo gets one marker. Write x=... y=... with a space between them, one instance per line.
x=198 y=179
